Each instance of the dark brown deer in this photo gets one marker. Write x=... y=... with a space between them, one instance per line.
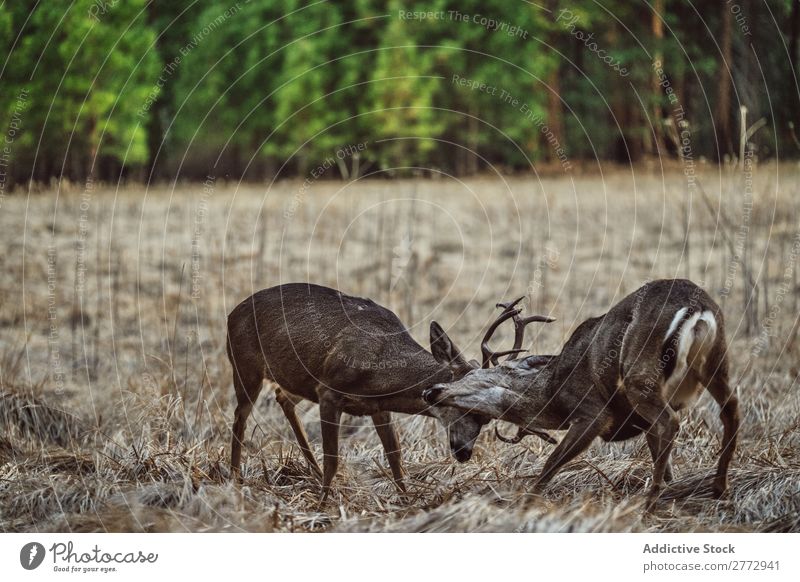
x=619 y=375
x=350 y=355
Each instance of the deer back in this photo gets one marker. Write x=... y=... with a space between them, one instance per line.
x=303 y=335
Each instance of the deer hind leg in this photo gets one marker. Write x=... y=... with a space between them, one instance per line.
x=330 y=416
x=288 y=404
x=729 y=414
x=385 y=429
x=648 y=402
x=247 y=390
x=579 y=436
x=653 y=445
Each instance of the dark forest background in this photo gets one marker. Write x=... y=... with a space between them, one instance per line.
x=136 y=90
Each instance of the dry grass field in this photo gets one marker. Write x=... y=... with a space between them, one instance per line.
x=117 y=398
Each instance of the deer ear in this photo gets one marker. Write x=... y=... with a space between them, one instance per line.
x=443 y=348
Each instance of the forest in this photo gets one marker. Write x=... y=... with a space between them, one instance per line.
x=256 y=90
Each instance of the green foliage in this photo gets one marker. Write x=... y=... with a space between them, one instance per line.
x=247 y=89
x=311 y=95
x=86 y=74
x=401 y=96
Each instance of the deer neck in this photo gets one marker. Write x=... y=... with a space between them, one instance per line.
x=532 y=400
x=426 y=372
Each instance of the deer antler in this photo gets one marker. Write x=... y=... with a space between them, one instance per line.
x=490 y=356
x=510 y=310
x=519 y=327
x=522 y=433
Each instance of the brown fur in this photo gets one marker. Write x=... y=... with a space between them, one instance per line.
x=346 y=353
x=611 y=377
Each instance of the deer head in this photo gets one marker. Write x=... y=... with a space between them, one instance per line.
x=474 y=396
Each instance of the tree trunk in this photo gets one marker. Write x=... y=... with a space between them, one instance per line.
x=555 y=114
x=555 y=111
x=722 y=115
x=627 y=120
x=794 y=33
x=472 y=140
x=657 y=26
x=793 y=38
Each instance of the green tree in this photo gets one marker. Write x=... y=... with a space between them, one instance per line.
x=401 y=95
x=316 y=85
x=223 y=96
x=86 y=84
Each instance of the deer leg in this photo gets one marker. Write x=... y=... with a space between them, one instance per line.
x=329 y=415
x=729 y=414
x=651 y=405
x=386 y=432
x=243 y=410
x=653 y=445
x=288 y=404
x=247 y=389
x=578 y=438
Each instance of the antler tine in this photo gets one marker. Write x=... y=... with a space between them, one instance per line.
x=509 y=304
x=522 y=433
x=510 y=311
x=519 y=331
x=488 y=355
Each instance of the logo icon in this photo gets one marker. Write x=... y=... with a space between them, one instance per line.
x=31 y=555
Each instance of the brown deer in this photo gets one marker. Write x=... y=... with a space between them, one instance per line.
x=619 y=375
x=350 y=355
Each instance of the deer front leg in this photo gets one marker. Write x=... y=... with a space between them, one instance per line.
x=667 y=429
x=653 y=445
x=386 y=432
x=247 y=388
x=578 y=438
x=243 y=410
x=288 y=404
x=329 y=415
